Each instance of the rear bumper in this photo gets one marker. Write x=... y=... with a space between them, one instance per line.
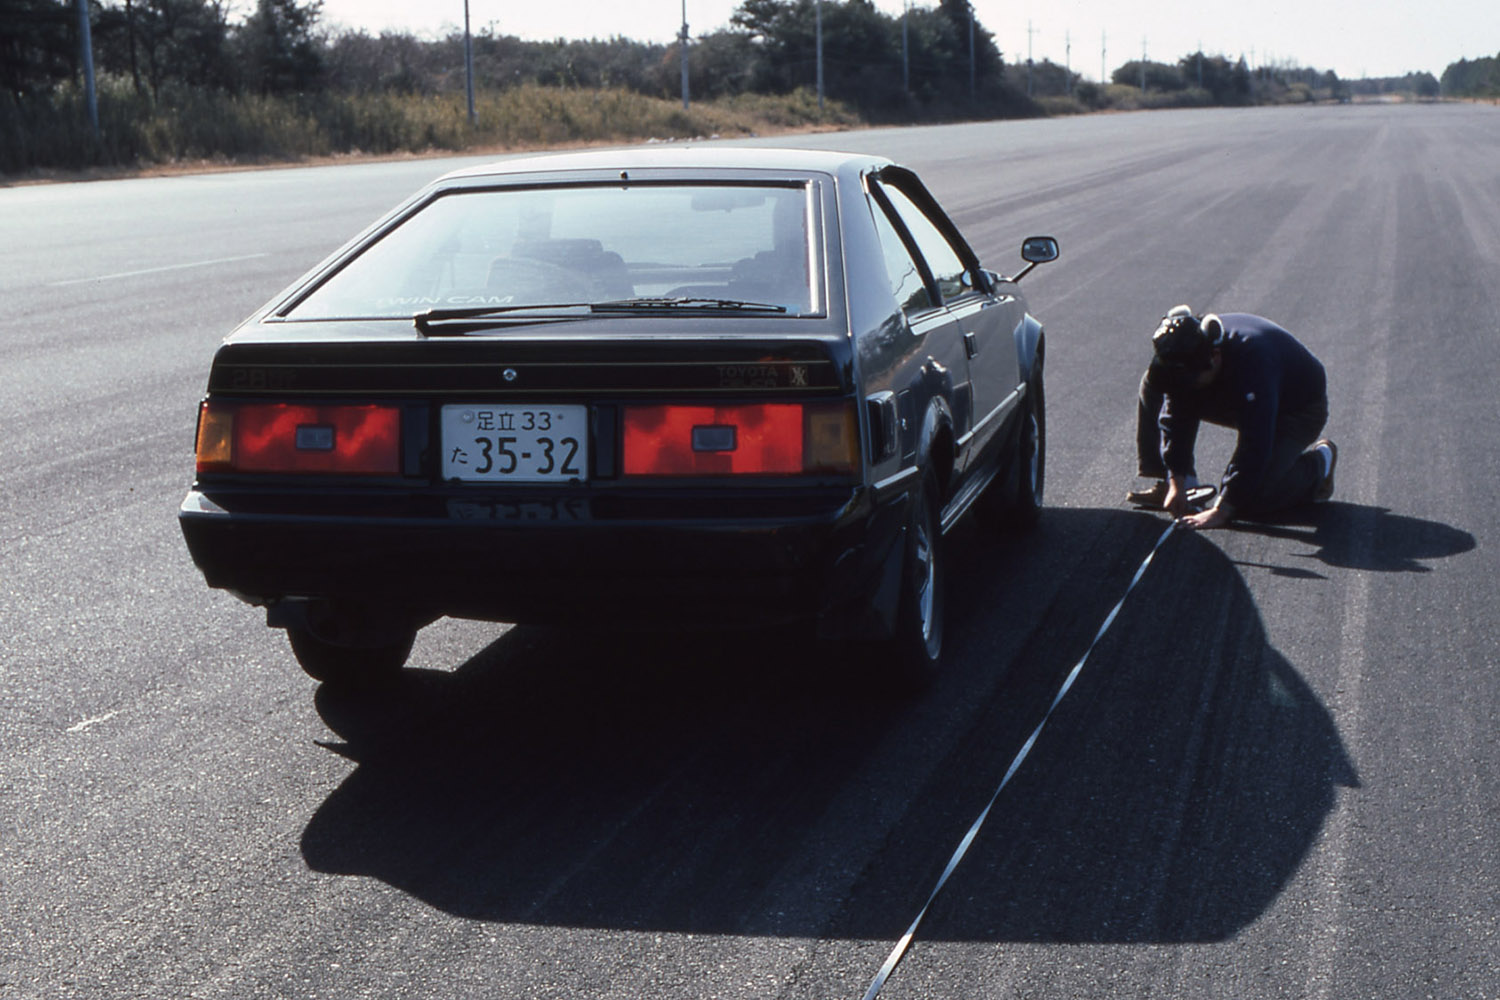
x=559 y=558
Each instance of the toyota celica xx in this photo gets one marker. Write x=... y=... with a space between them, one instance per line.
x=681 y=387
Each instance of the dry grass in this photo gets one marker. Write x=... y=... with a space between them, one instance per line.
x=186 y=126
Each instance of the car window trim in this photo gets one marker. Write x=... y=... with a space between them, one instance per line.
x=934 y=246
x=819 y=292
x=884 y=206
x=911 y=185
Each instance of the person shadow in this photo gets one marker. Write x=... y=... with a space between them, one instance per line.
x=695 y=783
x=1363 y=537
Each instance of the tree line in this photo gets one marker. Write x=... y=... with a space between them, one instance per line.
x=160 y=60
x=1473 y=78
x=152 y=44
x=940 y=58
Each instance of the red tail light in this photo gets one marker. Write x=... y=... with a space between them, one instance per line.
x=358 y=439
x=766 y=439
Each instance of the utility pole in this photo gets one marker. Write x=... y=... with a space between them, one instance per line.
x=135 y=70
x=86 y=44
x=1103 y=53
x=973 y=75
x=682 y=46
x=1068 y=61
x=905 y=49
x=1029 y=32
x=818 y=13
x=469 y=68
x=1143 y=64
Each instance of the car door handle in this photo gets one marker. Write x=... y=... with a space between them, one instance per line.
x=971 y=343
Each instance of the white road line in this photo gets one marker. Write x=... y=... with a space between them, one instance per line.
x=155 y=270
x=79 y=727
x=1326 y=945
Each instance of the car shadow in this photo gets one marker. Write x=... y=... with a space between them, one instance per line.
x=574 y=777
x=1173 y=795
x=571 y=778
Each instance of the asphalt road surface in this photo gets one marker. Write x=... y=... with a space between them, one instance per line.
x=1276 y=777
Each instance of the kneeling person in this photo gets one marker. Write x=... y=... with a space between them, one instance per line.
x=1244 y=372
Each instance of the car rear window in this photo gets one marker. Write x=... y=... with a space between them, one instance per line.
x=520 y=247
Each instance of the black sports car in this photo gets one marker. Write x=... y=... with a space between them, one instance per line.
x=683 y=386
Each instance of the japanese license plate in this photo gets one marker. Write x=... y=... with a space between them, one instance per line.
x=515 y=443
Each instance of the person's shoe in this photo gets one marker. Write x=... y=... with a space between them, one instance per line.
x=1153 y=496
x=1199 y=496
x=1325 y=488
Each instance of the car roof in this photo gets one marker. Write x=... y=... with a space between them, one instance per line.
x=678 y=156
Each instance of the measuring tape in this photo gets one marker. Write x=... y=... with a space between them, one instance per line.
x=899 y=951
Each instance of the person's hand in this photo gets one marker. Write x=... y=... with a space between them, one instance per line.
x=1202 y=521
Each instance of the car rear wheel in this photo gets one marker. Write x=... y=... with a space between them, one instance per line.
x=348 y=666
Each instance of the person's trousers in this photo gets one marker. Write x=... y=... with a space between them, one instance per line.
x=1293 y=474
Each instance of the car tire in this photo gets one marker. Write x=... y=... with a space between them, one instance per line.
x=348 y=666
x=915 y=648
x=1016 y=504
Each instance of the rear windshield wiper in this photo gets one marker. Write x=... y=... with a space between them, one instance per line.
x=664 y=302
x=424 y=320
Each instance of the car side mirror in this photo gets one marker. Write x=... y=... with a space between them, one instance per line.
x=1037 y=250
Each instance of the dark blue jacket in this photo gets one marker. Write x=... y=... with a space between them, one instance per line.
x=1266 y=372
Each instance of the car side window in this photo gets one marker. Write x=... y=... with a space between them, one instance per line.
x=947 y=266
x=907 y=282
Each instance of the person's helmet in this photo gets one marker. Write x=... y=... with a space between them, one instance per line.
x=1184 y=343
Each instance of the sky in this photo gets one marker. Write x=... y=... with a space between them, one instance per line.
x=1354 y=39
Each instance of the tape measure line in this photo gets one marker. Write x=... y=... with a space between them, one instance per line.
x=899 y=951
